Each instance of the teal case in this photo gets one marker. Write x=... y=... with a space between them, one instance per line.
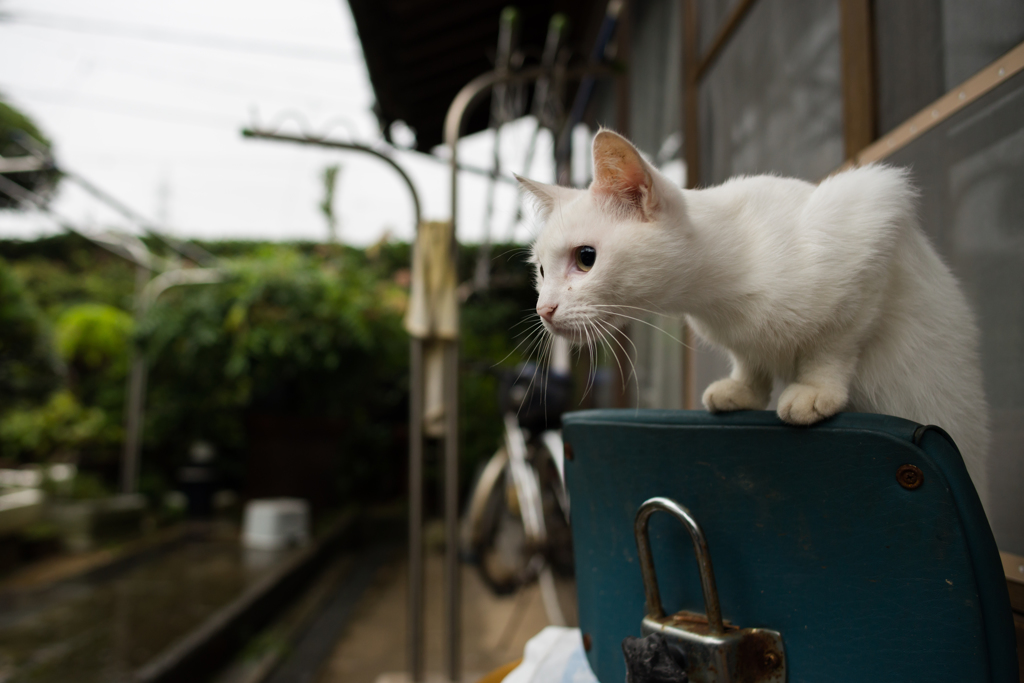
x=810 y=534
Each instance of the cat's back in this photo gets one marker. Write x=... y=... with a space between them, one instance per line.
x=803 y=241
x=863 y=207
x=874 y=193
x=851 y=223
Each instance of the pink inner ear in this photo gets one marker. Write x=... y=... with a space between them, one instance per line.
x=619 y=171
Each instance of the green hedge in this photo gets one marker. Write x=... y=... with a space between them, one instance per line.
x=300 y=329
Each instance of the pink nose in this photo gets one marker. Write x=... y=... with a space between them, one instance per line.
x=546 y=311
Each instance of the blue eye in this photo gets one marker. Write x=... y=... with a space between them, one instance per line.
x=585 y=258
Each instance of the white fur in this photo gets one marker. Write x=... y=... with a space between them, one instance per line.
x=832 y=288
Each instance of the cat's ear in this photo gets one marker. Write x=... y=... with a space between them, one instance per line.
x=622 y=176
x=545 y=196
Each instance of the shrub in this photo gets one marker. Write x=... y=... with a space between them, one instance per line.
x=58 y=428
x=29 y=369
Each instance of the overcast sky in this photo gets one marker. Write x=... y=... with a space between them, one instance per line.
x=147 y=100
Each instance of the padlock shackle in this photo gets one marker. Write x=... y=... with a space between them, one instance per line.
x=700 y=549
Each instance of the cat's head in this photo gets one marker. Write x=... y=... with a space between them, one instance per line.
x=606 y=253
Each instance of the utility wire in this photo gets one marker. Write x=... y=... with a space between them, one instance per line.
x=190 y=251
x=125 y=246
x=124 y=107
x=76 y=24
x=301 y=81
x=202 y=81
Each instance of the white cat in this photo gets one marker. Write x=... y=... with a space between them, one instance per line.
x=833 y=288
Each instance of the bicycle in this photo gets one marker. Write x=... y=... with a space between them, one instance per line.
x=516 y=528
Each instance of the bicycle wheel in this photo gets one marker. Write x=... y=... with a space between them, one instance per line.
x=496 y=536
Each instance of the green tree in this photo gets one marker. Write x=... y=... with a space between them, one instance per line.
x=59 y=428
x=286 y=334
x=29 y=368
x=40 y=415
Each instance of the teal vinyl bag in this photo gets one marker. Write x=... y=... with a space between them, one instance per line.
x=860 y=540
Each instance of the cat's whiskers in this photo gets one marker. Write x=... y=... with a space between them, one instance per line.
x=547 y=377
x=649 y=324
x=543 y=346
x=592 y=370
x=611 y=330
x=604 y=339
x=513 y=251
x=530 y=333
x=638 y=308
x=590 y=359
x=535 y=348
x=636 y=378
x=533 y=317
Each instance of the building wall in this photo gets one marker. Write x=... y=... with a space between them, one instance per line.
x=773 y=102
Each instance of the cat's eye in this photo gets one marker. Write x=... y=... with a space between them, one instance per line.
x=542 y=271
x=585 y=257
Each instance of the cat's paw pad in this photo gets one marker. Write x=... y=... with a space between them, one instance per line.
x=802 y=404
x=727 y=394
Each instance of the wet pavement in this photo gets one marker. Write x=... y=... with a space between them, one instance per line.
x=101 y=629
x=372 y=646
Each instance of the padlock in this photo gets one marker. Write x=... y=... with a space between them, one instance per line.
x=716 y=651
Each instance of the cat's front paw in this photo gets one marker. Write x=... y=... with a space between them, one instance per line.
x=728 y=394
x=802 y=404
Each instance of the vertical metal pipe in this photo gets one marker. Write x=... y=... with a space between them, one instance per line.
x=133 y=423
x=453 y=621
x=415 y=607
x=135 y=405
x=453 y=606
x=463 y=101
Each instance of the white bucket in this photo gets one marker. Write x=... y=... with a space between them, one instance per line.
x=274 y=523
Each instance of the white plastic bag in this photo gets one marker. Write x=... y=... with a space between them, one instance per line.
x=555 y=655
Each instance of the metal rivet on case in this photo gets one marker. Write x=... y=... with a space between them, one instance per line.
x=909 y=476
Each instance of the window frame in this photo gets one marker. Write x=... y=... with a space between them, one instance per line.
x=859 y=85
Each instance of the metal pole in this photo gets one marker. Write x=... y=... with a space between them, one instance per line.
x=460 y=106
x=146 y=293
x=453 y=606
x=415 y=607
x=350 y=146
x=136 y=397
x=416 y=604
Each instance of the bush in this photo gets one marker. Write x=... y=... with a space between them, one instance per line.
x=306 y=332
x=29 y=369
x=286 y=334
x=58 y=428
x=94 y=335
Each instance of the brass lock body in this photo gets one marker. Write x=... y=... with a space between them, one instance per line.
x=716 y=651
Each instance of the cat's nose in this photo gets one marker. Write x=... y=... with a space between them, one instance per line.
x=546 y=311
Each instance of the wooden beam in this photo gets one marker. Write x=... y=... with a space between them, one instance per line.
x=623 y=55
x=691 y=149
x=732 y=22
x=691 y=94
x=941 y=109
x=858 y=52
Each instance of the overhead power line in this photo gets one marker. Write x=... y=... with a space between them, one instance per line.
x=116 y=105
x=211 y=41
x=126 y=246
x=42 y=155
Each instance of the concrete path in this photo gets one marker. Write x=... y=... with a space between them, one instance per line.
x=372 y=648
